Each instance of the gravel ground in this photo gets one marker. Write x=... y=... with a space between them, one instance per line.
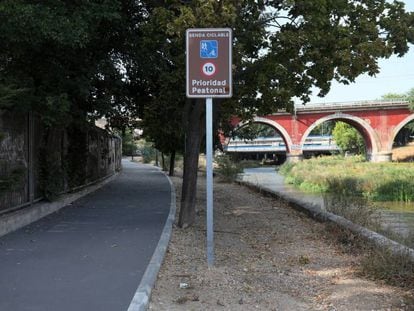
x=268 y=257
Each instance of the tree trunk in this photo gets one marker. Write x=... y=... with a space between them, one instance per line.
x=172 y=163
x=164 y=168
x=194 y=132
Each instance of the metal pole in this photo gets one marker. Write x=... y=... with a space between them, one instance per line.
x=209 y=169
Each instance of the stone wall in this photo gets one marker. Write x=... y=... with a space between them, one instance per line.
x=36 y=162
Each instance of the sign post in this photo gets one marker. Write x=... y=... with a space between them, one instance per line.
x=209 y=61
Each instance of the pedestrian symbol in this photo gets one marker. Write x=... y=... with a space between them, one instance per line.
x=208 y=48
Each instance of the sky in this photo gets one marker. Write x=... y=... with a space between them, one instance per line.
x=396 y=76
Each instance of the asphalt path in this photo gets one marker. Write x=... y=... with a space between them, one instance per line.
x=90 y=255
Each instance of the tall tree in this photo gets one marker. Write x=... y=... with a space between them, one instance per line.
x=281 y=50
x=63 y=59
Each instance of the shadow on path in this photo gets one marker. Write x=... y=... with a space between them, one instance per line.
x=90 y=255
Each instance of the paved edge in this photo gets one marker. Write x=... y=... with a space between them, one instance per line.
x=25 y=216
x=314 y=211
x=141 y=299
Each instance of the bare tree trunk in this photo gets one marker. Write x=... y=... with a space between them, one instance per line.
x=195 y=131
x=164 y=167
x=172 y=163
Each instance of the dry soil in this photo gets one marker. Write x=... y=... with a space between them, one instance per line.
x=268 y=257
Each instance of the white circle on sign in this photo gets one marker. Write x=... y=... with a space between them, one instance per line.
x=209 y=69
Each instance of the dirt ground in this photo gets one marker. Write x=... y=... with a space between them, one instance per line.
x=405 y=153
x=268 y=257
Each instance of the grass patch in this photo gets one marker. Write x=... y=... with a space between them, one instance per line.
x=375 y=181
x=394 y=269
x=357 y=210
x=375 y=263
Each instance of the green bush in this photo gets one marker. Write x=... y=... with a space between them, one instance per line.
x=147 y=151
x=227 y=168
x=128 y=144
x=148 y=154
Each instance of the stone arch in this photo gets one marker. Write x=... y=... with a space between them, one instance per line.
x=367 y=132
x=280 y=129
x=397 y=129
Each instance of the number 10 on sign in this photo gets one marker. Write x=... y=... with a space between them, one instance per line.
x=209 y=69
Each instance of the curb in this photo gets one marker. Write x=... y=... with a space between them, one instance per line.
x=316 y=212
x=25 y=216
x=141 y=299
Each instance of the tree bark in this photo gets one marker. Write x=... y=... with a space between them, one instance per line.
x=164 y=167
x=195 y=130
x=172 y=163
x=156 y=158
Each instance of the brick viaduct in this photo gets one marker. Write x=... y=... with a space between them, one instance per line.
x=378 y=121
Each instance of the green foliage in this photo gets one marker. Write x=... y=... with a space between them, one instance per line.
x=286 y=168
x=147 y=150
x=74 y=61
x=77 y=153
x=253 y=130
x=12 y=180
x=129 y=146
x=344 y=197
x=227 y=168
x=308 y=44
x=52 y=174
x=393 y=96
x=324 y=128
x=410 y=98
x=348 y=138
x=407 y=96
x=339 y=175
x=61 y=59
x=10 y=95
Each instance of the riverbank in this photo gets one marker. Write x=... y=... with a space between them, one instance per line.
x=268 y=257
x=336 y=174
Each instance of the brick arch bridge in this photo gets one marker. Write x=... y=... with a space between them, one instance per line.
x=378 y=121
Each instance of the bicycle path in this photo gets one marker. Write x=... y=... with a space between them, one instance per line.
x=92 y=254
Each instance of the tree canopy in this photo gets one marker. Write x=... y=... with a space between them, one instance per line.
x=79 y=60
x=63 y=59
x=281 y=50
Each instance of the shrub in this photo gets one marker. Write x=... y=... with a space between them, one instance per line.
x=395 y=269
x=147 y=150
x=354 y=208
x=227 y=168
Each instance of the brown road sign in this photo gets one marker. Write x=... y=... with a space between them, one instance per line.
x=209 y=62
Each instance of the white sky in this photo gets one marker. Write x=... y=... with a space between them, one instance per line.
x=396 y=76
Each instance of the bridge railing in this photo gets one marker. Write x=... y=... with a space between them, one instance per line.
x=261 y=144
x=354 y=104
